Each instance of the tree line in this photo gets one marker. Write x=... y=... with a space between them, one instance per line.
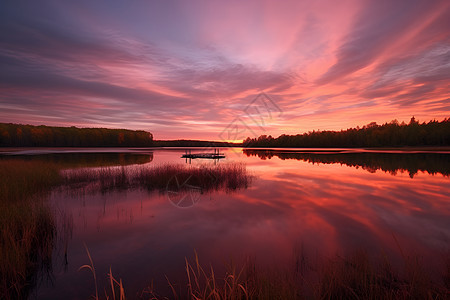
x=18 y=135
x=392 y=134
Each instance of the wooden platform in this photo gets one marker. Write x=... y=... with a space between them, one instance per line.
x=204 y=155
x=214 y=155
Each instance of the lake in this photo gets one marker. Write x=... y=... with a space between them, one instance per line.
x=269 y=206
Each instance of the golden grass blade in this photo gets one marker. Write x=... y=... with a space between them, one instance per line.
x=122 y=290
x=172 y=288
x=111 y=283
x=92 y=269
x=188 y=276
x=244 y=290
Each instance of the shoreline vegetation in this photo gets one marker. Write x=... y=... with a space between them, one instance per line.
x=202 y=179
x=357 y=275
x=29 y=237
x=389 y=135
x=29 y=226
x=392 y=134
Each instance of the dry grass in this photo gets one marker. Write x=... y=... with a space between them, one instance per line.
x=353 y=277
x=359 y=277
x=28 y=228
x=28 y=231
x=27 y=225
x=20 y=179
x=203 y=284
x=228 y=177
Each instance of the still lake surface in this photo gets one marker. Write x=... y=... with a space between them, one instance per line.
x=317 y=202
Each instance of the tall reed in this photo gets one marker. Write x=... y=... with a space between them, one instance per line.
x=27 y=224
x=355 y=276
x=229 y=177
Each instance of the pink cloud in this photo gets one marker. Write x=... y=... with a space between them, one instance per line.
x=186 y=71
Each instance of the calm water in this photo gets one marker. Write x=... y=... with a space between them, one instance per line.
x=319 y=203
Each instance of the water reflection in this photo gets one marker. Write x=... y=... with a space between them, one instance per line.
x=323 y=209
x=169 y=177
x=84 y=160
x=432 y=163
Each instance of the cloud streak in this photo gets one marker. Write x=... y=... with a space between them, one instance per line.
x=187 y=71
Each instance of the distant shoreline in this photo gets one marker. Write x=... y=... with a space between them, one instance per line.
x=414 y=136
x=334 y=150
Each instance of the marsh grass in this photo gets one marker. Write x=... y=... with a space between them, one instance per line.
x=356 y=276
x=204 y=284
x=28 y=233
x=229 y=177
x=27 y=224
x=21 y=180
x=26 y=246
x=359 y=277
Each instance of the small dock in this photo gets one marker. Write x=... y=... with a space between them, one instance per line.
x=215 y=155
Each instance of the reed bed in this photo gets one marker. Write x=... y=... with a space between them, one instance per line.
x=27 y=224
x=28 y=233
x=21 y=180
x=229 y=177
x=356 y=276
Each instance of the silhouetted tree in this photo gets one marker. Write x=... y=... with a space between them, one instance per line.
x=390 y=134
x=16 y=135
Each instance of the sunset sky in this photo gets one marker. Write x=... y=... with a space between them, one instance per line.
x=190 y=69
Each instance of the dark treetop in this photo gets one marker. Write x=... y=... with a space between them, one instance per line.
x=393 y=134
x=16 y=135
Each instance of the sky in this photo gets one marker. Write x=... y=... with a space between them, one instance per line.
x=224 y=70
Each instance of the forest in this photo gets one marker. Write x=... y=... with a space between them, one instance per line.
x=17 y=135
x=392 y=134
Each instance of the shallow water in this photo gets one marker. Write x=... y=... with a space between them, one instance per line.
x=317 y=203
